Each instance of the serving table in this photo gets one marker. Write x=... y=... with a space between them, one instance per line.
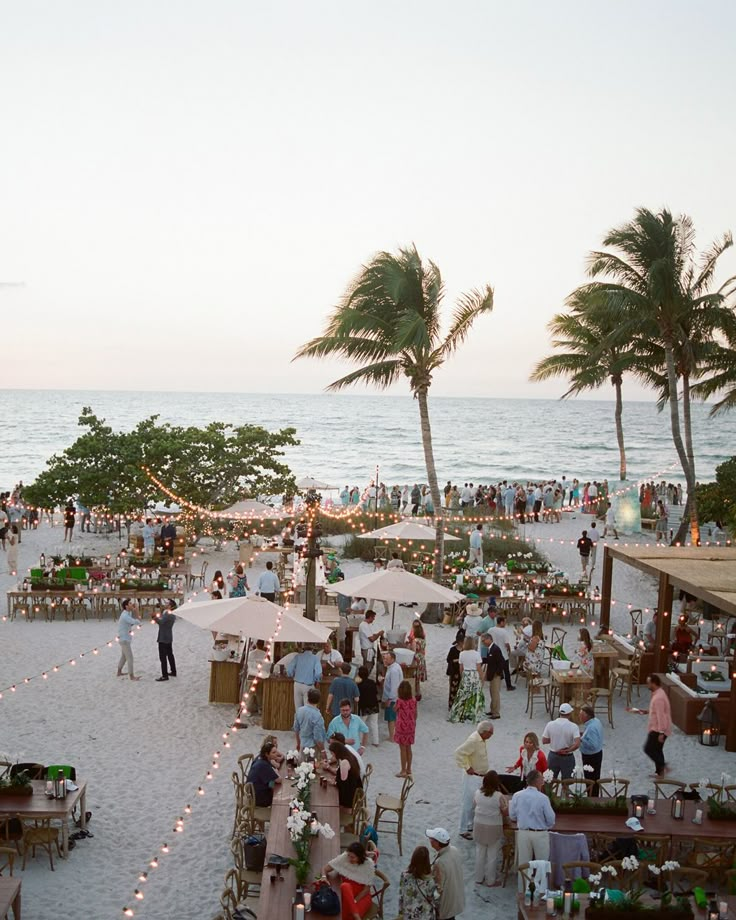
x=39 y=806
x=277 y=896
x=10 y=896
x=278 y=702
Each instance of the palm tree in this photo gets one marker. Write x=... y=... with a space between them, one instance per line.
x=721 y=363
x=590 y=354
x=388 y=323
x=661 y=293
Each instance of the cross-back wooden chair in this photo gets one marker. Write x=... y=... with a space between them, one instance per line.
x=378 y=891
x=39 y=832
x=608 y=788
x=666 y=788
x=7 y=859
x=683 y=880
x=389 y=804
x=713 y=856
x=576 y=868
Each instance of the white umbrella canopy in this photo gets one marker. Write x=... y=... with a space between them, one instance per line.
x=254 y=617
x=249 y=507
x=396 y=585
x=161 y=510
x=306 y=482
x=405 y=530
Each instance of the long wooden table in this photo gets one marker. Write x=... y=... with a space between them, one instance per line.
x=661 y=823
x=10 y=896
x=36 y=599
x=276 y=897
x=38 y=806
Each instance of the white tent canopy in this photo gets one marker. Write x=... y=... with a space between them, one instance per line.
x=254 y=617
x=405 y=530
x=249 y=507
x=307 y=482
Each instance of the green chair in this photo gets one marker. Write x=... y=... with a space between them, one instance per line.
x=69 y=772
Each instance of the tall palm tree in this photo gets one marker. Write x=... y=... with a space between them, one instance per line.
x=590 y=354
x=388 y=323
x=661 y=290
x=721 y=364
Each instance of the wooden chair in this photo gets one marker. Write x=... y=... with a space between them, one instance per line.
x=5 y=766
x=526 y=876
x=683 y=880
x=244 y=765
x=601 y=699
x=378 y=890
x=34 y=770
x=711 y=856
x=259 y=814
x=366 y=779
x=200 y=578
x=608 y=786
x=7 y=858
x=576 y=868
x=390 y=804
x=653 y=849
x=625 y=879
x=349 y=816
x=536 y=686
x=570 y=787
x=39 y=832
x=627 y=675
x=666 y=788
x=239 y=787
x=359 y=825
x=603 y=848
x=508 y=854
x=637 y=621
x=558 y=636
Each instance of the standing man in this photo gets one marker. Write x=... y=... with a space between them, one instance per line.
x=350 y=726
x=659 y=726
x=168 y=537
x=591 y=746
x=342 y=688
x=538 y=496
x=534 y=816
x=593 y=536
x=494 y=672
x=391 y=680
x=563 y=737
x=447 y=870
x=476 y=545
x=416 y=498
x=472 y=757
x=610 y=522
x=127 y=621
x=306 y=670
x=584 y=545
x=268 y=584
x=368 y=636
x=503 y=641
x=165 y=640
x=309 y=726
x=149 y=539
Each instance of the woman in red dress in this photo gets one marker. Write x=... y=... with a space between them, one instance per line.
x=357 y=874
x=406 y=724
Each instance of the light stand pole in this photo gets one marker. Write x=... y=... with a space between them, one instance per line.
x=313 y=551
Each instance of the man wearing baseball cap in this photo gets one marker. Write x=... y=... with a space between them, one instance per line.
x=563 y=737
x=448 y=872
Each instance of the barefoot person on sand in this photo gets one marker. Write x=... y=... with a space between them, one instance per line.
x=127 y=621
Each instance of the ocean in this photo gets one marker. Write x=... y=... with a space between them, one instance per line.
x=344 y=437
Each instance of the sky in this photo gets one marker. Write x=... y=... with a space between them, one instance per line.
x=187 y=187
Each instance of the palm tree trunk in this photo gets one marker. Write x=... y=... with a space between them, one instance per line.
x=692 y=499
x=620 y=431
x=677 y=435
x=434 y=489
x=679 y=537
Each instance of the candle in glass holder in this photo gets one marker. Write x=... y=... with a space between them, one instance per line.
x=723 y=910
x=698 y=819
x=550 y=907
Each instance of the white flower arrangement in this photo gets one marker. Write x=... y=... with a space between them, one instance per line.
x=588 y=768
x=325 y=831
x=292 y=755
x=548 y=776
x=308 y=752
x=609 y=870
x=630 y=863
x=595 y=878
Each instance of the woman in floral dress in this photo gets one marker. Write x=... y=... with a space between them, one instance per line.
x=238 y=582
x=469 y=704
x=418 y=644
x=419 y=896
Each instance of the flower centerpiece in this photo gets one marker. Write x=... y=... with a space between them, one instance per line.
x=628 y=902
x=301 y=824
x=578 y=801
x=720 y=805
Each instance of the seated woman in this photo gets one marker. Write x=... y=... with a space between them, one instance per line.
x=531 y=757
x=357 y=874
x=584 y=653
x=685 y=638
x=535 y=660
x=347 y=773
x=263 y=775
x=276 y=756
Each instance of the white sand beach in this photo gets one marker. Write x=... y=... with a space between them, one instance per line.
x=145 y=748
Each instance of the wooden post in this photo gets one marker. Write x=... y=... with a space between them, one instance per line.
x=664 y=621
x=605 y=619
x=731 y=724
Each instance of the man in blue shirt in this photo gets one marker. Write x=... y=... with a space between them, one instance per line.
x=591 y=745
x=309 y=726
x=306 y=671
x=534 y=816
x=268 y=583
x=352 y=727
x=342 y=688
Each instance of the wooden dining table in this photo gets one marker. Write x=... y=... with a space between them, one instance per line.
x=277 y=895
x=39 y=805
x=10 y=896
x=571 y=683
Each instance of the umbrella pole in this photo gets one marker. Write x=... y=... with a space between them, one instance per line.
x=393 y=613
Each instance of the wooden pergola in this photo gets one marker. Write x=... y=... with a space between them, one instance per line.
x=706 y=572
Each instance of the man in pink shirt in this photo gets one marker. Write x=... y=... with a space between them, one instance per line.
x=659 y=726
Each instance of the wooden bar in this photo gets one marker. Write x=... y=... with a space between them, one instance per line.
x=225 y=682
x=278 y=702
x=606 y=585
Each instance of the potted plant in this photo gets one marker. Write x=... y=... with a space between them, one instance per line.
x=18 y=784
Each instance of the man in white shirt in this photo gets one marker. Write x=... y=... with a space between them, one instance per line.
x=610 y=522
x=538 y=498
x=368 y=636
x=503 y=640
x=476 y=545
x=593 y=536
x=391 y=680
x=466 y=496
x=330 y=657
x=563 y=737
x=394 y=562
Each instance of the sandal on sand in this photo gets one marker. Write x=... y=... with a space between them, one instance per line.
x=467 y=836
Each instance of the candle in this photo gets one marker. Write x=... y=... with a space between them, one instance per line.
x=698 y=819
x=723 y=910
x=651 y=809
x=308 y=900
x=550 y=907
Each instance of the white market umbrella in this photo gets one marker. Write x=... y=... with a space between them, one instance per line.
x=405 y=530
x=253 y=617
x=306 y=482
x=398 y=586
x=161 y=510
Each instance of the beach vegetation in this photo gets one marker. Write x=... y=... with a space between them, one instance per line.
x=389 y=324
x=717 y=500
x=210 y=467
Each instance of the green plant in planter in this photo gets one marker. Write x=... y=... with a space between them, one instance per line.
x=18 y=784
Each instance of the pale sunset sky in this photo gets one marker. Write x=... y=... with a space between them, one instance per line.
x=187 y=187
